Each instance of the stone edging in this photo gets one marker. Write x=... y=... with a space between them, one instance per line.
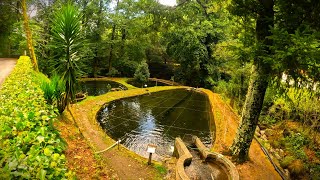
x=228 y=166
x=184 y=159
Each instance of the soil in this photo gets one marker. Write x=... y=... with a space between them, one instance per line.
x=80 y=157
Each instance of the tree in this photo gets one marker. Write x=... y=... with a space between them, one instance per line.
x=9 y=14
x=196 y=30
x=273 y=57
x=66 y=43
x=29 y=35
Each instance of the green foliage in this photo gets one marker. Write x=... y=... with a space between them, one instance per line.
x=295 y=143
x=66 y=43
x=30 y=147
x=47 y=88
x=113 y=72
x=54 y=91
x=161 y=169
x=126 y=68
x=142 y=73
x=297 y=104
x=286 y=161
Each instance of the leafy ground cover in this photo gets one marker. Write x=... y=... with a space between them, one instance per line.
x=30 y=147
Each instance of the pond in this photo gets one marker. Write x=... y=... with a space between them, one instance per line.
x=96 y=88
x=157 y=118
x=149 y=83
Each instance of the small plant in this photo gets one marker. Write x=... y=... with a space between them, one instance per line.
x=286 y=161
x=54 y=91
x=161 y=169
x=295 y=143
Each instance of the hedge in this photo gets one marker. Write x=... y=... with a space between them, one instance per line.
x=29 y=145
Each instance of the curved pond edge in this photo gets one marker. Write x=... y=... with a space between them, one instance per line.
x=122 y=81
x=84 y=114
x=184 y=158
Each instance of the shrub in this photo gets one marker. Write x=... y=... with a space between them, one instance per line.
x=30 y=148
x=286 y=161
x=295 y=143
x=142 y=73
x=296 y=168
x=126 y=67
x=113 y=72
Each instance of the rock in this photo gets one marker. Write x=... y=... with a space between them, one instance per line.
x=286 y=133
x=257 y=132
x=286 y=172
x=263 y=126
x=281 y=151
x=264 y=137
x=268 y=132
x=272 y=150
x=277 y=156
x=258 y=129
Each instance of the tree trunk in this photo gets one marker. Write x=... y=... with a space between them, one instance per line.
x=97 y=38
x=112 y=38
x=258 y=84
x=29 y=35
x=123 y=40
x=111 y=47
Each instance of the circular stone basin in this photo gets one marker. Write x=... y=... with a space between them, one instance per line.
x=200 y=169
x=96 y=88
x=157 y=118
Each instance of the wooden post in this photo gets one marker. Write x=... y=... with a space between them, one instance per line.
x=150 y=157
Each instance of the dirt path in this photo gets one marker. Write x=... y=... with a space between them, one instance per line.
x=6 y=66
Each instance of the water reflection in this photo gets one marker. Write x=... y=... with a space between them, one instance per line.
x=96 y=88
x=157 y=119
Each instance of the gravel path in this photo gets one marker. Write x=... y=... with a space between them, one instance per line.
x=6 y=66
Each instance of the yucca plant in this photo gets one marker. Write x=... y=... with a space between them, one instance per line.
x=66 y=42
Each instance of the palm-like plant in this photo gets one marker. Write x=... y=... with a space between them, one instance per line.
x=66 y=42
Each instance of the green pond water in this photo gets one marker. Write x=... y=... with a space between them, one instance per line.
x=157 y=118
x=96 y=88
x=149 y=84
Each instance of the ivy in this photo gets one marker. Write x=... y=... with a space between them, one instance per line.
x=30 y=148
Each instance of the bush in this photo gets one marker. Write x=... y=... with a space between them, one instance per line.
x=286 y=161
x=30 y=148
x=126 y=68
x=295 y=143
x=113 y=72
x=142 y=73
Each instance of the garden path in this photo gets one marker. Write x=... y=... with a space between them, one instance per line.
x=6 y=66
